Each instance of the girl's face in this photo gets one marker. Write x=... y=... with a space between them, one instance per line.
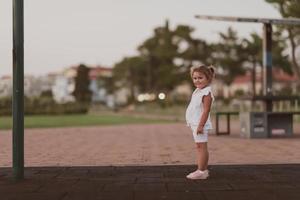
x=199 y=79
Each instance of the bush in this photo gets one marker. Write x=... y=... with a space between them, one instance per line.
x=5 y=106
x=43 y=106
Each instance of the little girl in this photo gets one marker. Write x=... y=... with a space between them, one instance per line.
x=198 y=116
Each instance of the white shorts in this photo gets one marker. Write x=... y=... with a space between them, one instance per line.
x=199 y=138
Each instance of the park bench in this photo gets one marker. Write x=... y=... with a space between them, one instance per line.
x=281 y=122
x=276 y=122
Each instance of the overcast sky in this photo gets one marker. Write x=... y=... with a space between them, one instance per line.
x=62 y=33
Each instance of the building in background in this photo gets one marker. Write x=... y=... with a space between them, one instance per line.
x=5 y=86
x=243 y=84
x=98 y=84
x=33 y=86
x=64 y=84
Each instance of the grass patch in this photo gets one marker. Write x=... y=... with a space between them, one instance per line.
x=44 y=121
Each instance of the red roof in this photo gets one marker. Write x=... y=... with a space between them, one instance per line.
x=97 y=71
x=244 y=79
x=6 y=77
x=100 y=71
x=278 y=75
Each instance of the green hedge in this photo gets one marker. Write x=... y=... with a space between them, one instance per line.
x=43 y=105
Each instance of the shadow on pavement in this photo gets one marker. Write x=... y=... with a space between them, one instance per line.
x=153 y=182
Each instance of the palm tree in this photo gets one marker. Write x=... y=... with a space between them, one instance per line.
x=228 y=55
x=290 y=8
x=131 y=73
x=253 y=54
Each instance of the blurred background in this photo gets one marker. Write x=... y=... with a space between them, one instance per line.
x=111 y=62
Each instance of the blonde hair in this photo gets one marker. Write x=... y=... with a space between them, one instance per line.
x=208 y=71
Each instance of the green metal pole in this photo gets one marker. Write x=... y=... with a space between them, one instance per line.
x=267 y=63
x=18 y=89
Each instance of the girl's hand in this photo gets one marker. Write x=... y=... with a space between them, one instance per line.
x=200 y=130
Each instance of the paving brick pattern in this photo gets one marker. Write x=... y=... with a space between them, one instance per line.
x=138 y=162
x=156 y=144
x=230 y=182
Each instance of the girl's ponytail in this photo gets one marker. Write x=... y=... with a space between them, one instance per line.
x=212 y=71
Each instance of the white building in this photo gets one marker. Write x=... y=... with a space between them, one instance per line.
x=62 y=89
x=33 y=86
x=5 y=86
x=64 y=85
x=97 y=85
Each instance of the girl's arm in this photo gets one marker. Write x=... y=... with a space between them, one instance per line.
x=207 y=100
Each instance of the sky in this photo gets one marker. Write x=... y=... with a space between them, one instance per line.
x=63 y=33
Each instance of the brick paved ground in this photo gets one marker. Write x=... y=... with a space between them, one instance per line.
x=96 y=157
x=143 y=145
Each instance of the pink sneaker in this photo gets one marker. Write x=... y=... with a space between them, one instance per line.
x=198 y=174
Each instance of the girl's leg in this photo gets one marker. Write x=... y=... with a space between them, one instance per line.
x=202 y=155
x=202 y=161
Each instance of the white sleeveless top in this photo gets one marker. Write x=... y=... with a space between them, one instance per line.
x=195 y=108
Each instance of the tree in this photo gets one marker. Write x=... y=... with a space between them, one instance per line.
x=82 y=93
x=280 y=58
x=160 y=51
x=290 y=8
x=107 y=83
x=191 y=51
x=131 y=73
x=227 y=55
x=252 y=53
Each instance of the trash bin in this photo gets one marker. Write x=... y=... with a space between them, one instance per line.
x=254 y=125
x=280 y=123
x=266 y=124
